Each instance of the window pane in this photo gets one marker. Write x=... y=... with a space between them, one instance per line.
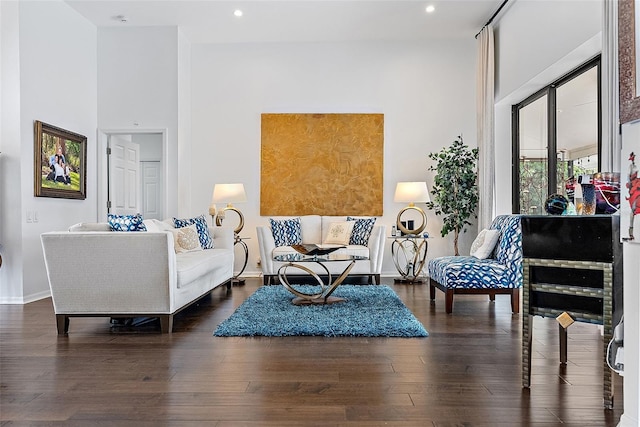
x=533 y=156
x=577 y=127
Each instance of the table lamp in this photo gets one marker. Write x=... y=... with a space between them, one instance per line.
x=228 y=193
x=412 y=193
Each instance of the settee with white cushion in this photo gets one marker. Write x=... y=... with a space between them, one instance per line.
x=94 y=271
x=366 y=239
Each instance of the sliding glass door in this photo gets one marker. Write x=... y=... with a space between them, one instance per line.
x=556 y=136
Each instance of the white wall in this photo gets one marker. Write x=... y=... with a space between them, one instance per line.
x=536 y=43
x=150 y=146
x=425 y=90
x=57 y=85
x=185 y=146
x=138 y=86
x=10 y=164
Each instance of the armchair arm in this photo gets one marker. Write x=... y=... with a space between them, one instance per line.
x=267 y=244
x=376 y=247
x=110 y=272
x=223 y=237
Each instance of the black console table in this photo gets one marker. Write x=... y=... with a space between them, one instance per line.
x=571 y=264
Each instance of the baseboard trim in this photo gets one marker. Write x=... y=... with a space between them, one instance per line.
x=27 y=299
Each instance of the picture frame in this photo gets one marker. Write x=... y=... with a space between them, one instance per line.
x=627 y=62
x=60 y=162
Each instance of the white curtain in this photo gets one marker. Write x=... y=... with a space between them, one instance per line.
x=485 y=124
x=611 y=141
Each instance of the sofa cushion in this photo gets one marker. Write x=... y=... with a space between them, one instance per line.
x=286 y=232
x=126 y=222
x=339 y=233
x=201 y=225
x=483 y=245
x=154 y=225
x=186 y=239
x=192 y=265
x=361 y=230
x=469 y=272
x=90 y=226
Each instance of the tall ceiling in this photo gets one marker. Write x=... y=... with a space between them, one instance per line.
x=213 y=21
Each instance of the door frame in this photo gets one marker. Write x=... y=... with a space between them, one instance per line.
x=103 y=170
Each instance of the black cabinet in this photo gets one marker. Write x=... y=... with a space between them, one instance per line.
x=571 y=264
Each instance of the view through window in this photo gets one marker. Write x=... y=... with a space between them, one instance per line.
x=556 y=138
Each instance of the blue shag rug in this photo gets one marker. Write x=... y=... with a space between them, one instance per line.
x=369 y=311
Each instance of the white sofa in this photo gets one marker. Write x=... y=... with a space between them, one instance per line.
x=96 y=272
x=314 y=229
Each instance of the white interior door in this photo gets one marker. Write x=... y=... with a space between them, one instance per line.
x=151 y=190
x=124 y=176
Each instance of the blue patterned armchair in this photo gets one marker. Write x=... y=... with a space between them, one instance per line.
x=501 y=273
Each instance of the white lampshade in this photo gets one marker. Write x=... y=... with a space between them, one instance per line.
x=412 y=192
x=229 y=193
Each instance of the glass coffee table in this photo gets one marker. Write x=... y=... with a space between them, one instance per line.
x=298 y=261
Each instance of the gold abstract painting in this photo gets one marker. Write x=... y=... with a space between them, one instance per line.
x=321 y=164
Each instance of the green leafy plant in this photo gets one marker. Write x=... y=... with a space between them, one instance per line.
x=455 y=188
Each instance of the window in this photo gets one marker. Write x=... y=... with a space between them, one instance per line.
x=556 y=136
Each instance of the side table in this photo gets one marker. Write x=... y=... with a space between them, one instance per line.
x=409 y=255
x=236 y=279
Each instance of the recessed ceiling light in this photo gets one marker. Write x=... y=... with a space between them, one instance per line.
x=430 y=9
x=237 y=13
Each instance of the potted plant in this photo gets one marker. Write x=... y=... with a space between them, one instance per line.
x=455 y=188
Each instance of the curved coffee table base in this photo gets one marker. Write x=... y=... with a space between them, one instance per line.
x=324 y=296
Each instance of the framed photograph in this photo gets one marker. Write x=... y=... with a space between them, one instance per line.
x=60 y=162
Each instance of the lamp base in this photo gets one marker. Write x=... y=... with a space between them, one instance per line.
x=221 y=216
x=417 y=230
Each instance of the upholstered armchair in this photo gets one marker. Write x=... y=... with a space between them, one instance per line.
x=500 y=273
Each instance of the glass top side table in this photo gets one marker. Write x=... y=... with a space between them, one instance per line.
x=409 y=253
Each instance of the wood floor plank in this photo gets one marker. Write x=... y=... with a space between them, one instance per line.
x=466 y=373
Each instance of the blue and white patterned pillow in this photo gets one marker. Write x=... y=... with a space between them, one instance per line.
x=201 y=225
x=126 y=222
x=286 y=232
x=361 y=230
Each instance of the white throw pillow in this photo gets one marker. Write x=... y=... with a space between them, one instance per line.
x=483 y=245
x=186 y=239
x=339 y=233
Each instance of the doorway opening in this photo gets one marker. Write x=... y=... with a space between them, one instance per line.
x=132 y=175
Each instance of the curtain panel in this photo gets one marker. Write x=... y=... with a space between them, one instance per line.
x=485 y=99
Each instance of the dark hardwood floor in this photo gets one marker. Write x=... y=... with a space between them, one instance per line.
x=467 y=373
